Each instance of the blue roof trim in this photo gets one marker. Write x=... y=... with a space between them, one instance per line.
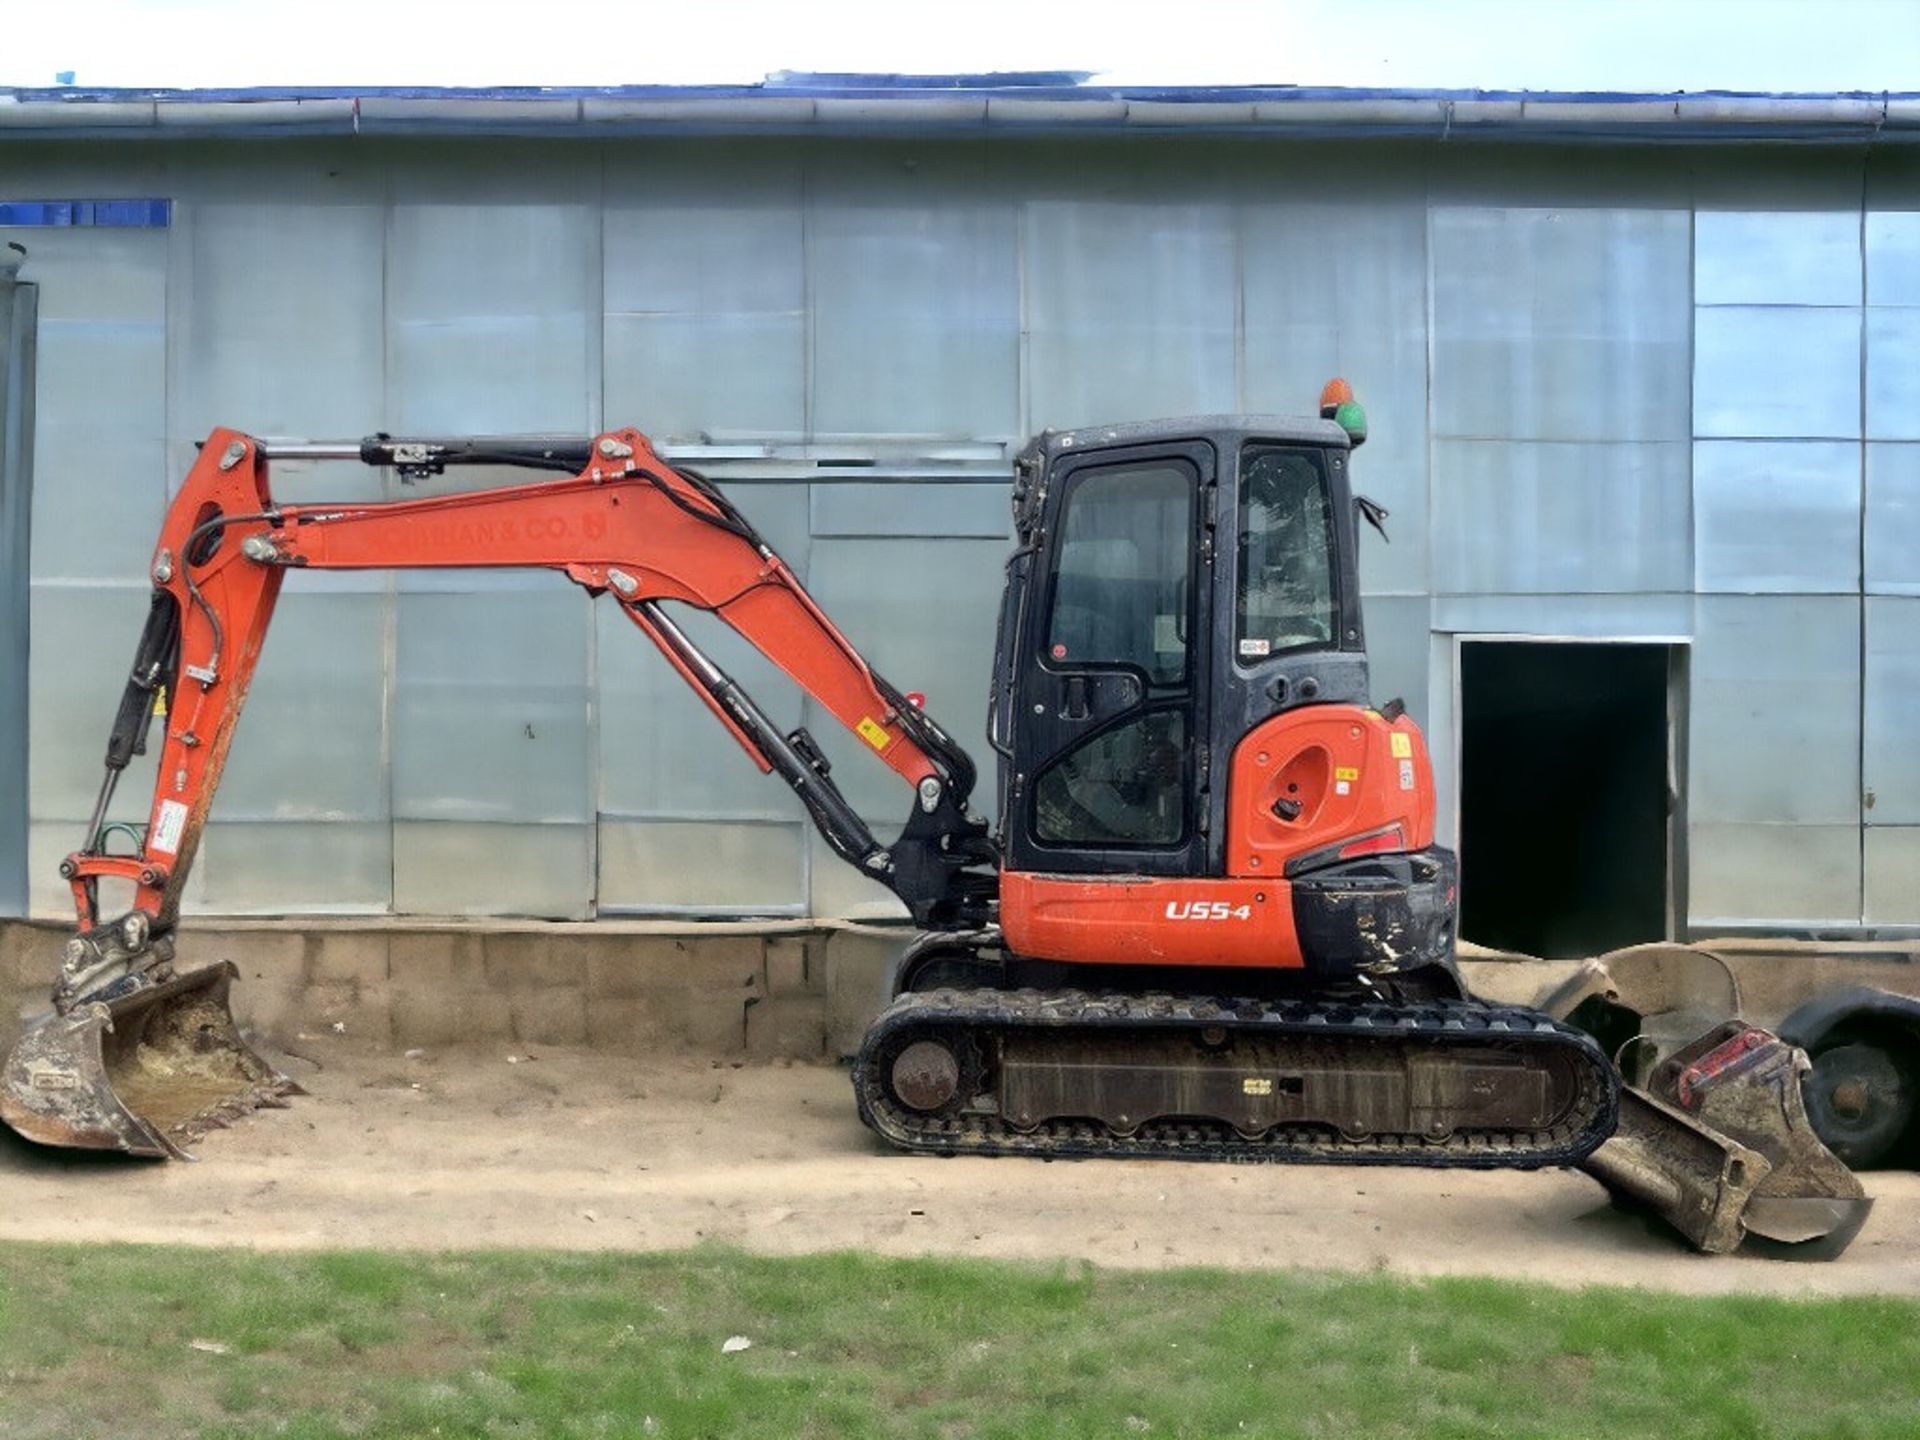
x=61 y=214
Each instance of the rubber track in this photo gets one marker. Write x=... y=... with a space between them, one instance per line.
x=1443 y=1022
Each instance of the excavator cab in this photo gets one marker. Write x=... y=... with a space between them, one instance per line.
x=1180 y=696
x=1177 y=582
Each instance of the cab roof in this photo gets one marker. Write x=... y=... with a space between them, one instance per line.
x=1226 y=431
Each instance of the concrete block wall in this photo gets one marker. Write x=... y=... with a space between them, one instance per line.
x=757 y=992
x=782 y=991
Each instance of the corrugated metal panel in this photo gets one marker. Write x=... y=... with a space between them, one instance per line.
x=105 y=374
x=703 y=865
x=705 y=323
x=1776 y=257
x=1892 y=860
x=102 y=371
x=492 y=305
x=1514 y=516
x=278 y=322
x=679 y=376
x=914 y=280
x=95 y=522
x=1341 y=289
x=1777 y=515
x=1893 y=257
x=290 y=867
x=1782 y=372
x=453 y=868
x=1775 y=733
x=492 y=749
x=1893 y=373
x=1785 y=874
x=1893 y=519
x=1129 y=309
x=490 y=706
x=75 y=675
x=1559 y=324
x=311 y=744
x=1892 y=715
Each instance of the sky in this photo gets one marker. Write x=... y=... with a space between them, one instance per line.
x=1638 y=45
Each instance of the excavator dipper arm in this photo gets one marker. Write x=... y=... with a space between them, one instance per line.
x=625 y=523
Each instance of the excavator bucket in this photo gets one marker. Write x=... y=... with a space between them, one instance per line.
x=147 y=1073
x=1719 y=1145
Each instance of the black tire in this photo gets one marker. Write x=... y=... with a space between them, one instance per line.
x=1861 y=1100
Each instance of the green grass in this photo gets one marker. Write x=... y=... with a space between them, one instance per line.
x=96 y=1341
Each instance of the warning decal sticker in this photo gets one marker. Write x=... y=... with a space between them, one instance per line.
x=1401 y=744
x=873 y=732
x=168 y=827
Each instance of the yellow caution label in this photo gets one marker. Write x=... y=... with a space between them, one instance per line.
x=1401 y=744
x=1346 y=772
x=160 y=703
x=873 y=732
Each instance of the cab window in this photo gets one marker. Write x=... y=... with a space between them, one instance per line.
x=1123 y=786
x=1285 y=597
x=1120 y=591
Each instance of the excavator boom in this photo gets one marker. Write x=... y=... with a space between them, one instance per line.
x=623 y=522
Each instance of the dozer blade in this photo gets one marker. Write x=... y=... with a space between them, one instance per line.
x=1719 y=1146
x=147 y=1073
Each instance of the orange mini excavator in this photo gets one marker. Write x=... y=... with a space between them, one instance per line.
x=1210 y=921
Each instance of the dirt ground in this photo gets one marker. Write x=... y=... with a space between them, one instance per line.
x=579 y=1150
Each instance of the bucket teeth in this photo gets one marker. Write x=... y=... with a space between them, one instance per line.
x=146 y=1073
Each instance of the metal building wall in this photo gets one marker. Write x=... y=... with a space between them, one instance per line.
x=1615 y=391
x=1890 y=546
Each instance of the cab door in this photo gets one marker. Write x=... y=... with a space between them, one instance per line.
x=1110 y=763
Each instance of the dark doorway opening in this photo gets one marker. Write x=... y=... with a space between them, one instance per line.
x=1566 y=822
